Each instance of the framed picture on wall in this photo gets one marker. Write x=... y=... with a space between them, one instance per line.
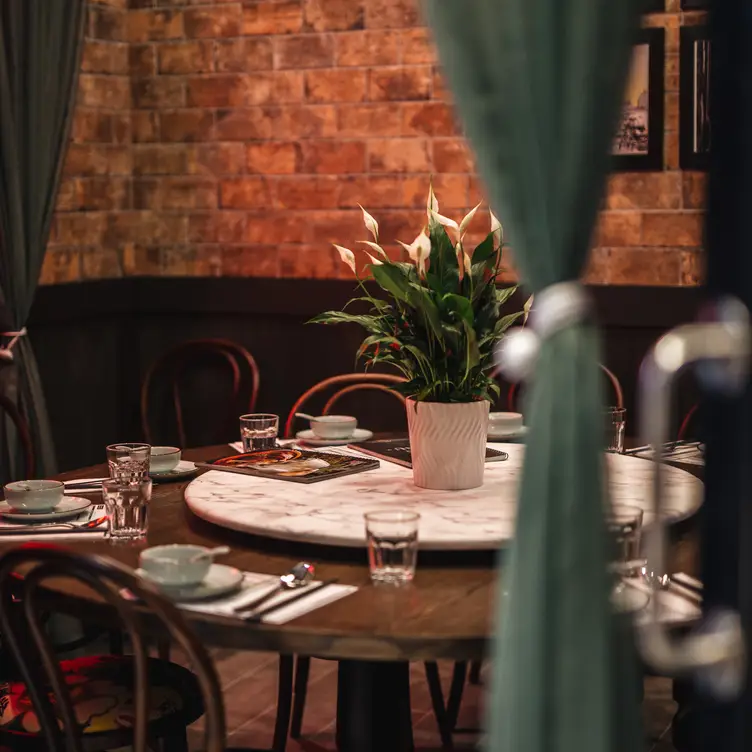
x=638 y=144
x=694 y=98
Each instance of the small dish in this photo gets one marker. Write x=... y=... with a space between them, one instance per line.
x=503 y=436
x=184 y=469
x=176 y=565
x=220 y=580
x=333 y=426
x=309 y=437
x=162 y=459
x=34 y=495
x=70 y=506
x=628 y=600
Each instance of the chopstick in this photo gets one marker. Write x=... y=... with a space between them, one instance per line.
x=305 y=592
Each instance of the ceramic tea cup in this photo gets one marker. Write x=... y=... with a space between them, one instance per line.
x=176 y=565
x=34 y=495
x=334 y=426
x=163 y=459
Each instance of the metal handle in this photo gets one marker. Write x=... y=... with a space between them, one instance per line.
x=721 y=352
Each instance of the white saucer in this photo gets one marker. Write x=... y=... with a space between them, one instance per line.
x=629 y=600
x=184 y=469
x=359 y=434
x=518 y=433
x=220 y=580
x=70 y=506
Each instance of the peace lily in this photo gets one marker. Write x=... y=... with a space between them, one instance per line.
x=438 y=318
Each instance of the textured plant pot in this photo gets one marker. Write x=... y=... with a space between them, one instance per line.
x=448 y=443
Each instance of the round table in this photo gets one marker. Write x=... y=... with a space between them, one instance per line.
x=373 y=633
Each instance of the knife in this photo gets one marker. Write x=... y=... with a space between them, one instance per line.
x=305 y=592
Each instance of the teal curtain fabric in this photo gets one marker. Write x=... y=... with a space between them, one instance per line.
x=40 y=56
x=539 y=84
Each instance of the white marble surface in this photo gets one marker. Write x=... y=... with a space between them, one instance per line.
x=331 y=512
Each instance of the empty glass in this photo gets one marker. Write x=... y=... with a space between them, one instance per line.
x=615 y=420
x=128 y=462
x=392 y=546
x=624 y=528
x=259 y=431
x=127 y=505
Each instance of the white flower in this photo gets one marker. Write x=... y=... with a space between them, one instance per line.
x=375 y=246
x=467 y=262
x=347 y=256
x=419 y=251
x=468 y=218
x=497 y=230
x=432 y=205
x=371 y=224
x=442 y=220
x=374 y=260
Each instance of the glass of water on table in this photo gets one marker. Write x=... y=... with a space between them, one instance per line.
x=128 y=461
x=127 y=506
x=259 y=431
x=392 y=546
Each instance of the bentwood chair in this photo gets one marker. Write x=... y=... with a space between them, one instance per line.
x=178 y=362
x=686 y=423
x=10 y=409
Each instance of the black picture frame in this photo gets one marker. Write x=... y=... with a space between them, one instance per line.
x=694 y=98
x=632 y=123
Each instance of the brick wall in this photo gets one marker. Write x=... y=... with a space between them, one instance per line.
x=236 y=138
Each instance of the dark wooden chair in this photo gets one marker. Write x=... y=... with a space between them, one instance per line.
x=24 y=436
x=686 y=423
x=99 y=702
x=174 y=365
x=347 y=383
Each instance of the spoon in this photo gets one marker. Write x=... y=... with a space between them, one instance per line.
x=299 y=576
x=305 y=416
x=211 y=552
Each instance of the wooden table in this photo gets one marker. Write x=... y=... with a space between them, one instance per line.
x=373 y=633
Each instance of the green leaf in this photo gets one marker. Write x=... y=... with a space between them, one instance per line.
x=393 y=280
x=485 y=251
x=370 y=323
x=461 y=306
x=504 y=293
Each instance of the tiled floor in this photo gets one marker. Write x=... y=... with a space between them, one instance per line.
x=250 y=685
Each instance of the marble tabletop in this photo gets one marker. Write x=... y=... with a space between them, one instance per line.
x=331 y=512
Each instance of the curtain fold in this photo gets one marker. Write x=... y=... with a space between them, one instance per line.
x=539 y=84
x=40 y=56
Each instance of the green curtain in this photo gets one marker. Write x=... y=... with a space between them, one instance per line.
x=40 y=56
x=539 y=84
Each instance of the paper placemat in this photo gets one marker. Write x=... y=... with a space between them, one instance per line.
x=11 y=530
x=688 y=454
x=255 y=585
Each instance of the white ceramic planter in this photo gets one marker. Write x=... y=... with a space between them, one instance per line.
x=448 y=443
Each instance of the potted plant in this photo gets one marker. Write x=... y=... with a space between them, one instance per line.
x=438 y=325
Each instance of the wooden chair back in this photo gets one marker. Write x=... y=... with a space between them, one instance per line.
x=24 y=436
x=610 y=375
x=686 y=423
x=347 y=383
x=174 y=365
x=23 y=573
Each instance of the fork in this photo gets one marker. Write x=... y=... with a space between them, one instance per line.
x=90 y=523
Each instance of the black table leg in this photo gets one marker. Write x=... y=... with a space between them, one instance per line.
x=373 y=707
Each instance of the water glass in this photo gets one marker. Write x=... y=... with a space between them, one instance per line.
x=624 y=527
x=128 y=462
x=259 y=431
x=392 y=546
x=615 y=419
x=127 y=505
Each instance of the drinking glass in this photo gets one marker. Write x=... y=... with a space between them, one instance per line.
x=392 y=546
x=259 y=431
x=127 y=505
x=624 y=527
x=128 y=462
x=615 y=422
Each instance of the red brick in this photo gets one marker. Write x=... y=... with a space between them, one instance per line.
x=370 y=120
x=149 y=25
x=418 y=47
x=644 y=190
x=268 y=122
x=619 y=229
x=80 y=228
x=451 y=191
x=92 y=126
x=186 y=125
x=239 y=55
x=692 y=268
x=106 y=92
x=273 y=157
x=237 y=90
x=100 y=263
x=104 y=194
x=399 y=155
x=107 y=23
x=372 y=191
x=321 y=262
x=332 y=157
x=159 y=159
x=272 y=17
x=158 y=92
x=105 y=57
x=142 y=60
x=694 y=190
x=307 y=192
x=217 y=227
x=121 y=128
x=61 y=265
x=307 y=51
x=186 y=57
x=138 y=260
x=221 y=21
x=184 y=193
x=336 y=85
x=401 y=225
x=145 y=227
x=277 y=227
x=145 y=126
x=452 y=155
x=400 y=83
x=333 y=15
x=429 y=119
x=643 y=266
x=382 y=14
x=244 y=193
x=672 y=229
x=440 y=87
x=367 y=48
x=671 y=150
x=250 y=261
x=97 y=159
x=216 y=159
